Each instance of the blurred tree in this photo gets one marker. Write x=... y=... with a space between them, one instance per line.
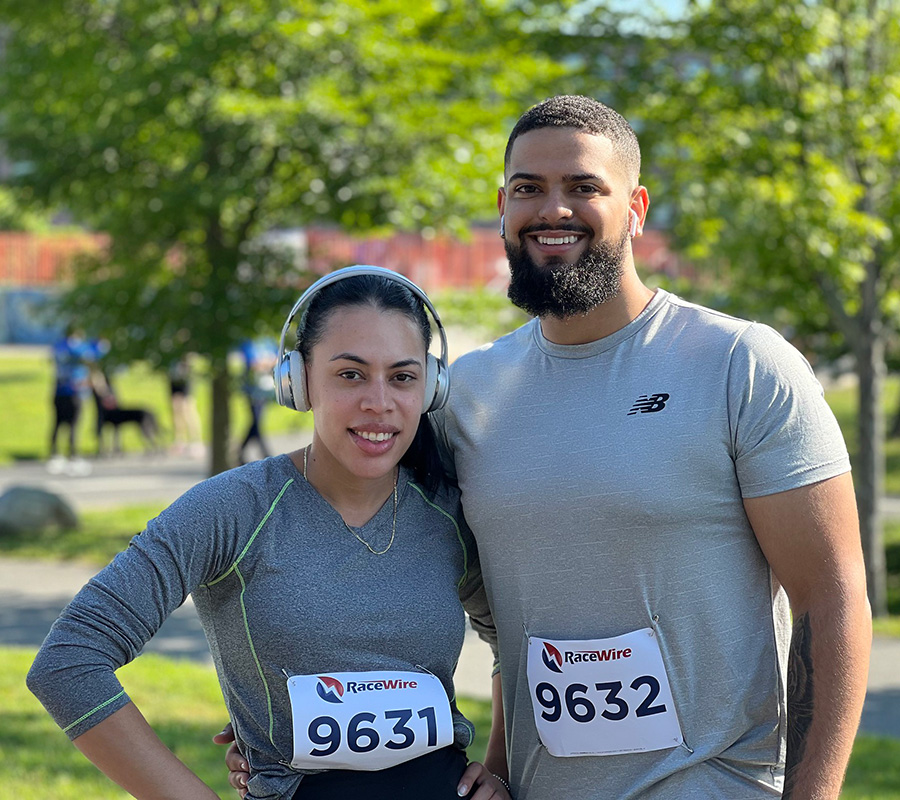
x=186 y=129
x=777 y=127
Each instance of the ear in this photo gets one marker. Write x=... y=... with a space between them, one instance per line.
x=640 y=204
x=501 y=200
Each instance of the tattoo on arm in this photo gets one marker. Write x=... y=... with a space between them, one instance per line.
x=799 y=699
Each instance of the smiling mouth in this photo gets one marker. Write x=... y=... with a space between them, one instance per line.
x=374 y=437
x=557 y=240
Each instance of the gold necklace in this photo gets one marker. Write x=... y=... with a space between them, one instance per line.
x=393 y=521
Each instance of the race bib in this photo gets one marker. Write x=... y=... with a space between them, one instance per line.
x=367 y=720
x=597 y=697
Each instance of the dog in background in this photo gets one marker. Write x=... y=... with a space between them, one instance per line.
x=111 y=414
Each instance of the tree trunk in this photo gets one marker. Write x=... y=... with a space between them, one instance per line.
x=870 y=467
x=221 y=393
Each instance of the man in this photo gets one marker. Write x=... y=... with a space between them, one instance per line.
x=651 y=484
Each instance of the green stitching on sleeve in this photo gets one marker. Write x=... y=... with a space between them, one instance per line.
x=462 y=544
x=93 y=711
x=255 y=658
x=250 y=542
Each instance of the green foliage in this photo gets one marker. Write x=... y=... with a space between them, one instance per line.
x=780 y=159
x=481 y=312
x=13 y=217
x=187 y=130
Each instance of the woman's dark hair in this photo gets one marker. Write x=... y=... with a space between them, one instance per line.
x=423 y=456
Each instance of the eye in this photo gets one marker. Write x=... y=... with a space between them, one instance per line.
x=526 y=188
x=350 y=374
x=586 y=188
x=405 y=377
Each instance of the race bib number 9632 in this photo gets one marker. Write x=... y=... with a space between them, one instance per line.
x=367 y=720
x=602 y=696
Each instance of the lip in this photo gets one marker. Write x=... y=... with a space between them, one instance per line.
x=374 y=427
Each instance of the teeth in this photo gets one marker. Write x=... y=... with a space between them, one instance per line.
x=374 y=437
x=557 y=239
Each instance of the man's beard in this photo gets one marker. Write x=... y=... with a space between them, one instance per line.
x=560 y=289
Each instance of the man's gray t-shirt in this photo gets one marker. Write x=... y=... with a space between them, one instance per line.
x=604 y=485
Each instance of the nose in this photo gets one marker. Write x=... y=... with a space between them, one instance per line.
x=555 y=206
x=377 y=397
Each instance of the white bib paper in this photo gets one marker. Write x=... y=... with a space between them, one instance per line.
x=596 y=697
x=367 y=720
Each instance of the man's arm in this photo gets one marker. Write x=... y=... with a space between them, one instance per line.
x=810 y=537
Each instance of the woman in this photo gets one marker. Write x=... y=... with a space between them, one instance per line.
x=328 y=582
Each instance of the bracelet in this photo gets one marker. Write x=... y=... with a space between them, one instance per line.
x=505 y=784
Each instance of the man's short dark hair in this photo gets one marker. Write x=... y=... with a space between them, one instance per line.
x=583 y=114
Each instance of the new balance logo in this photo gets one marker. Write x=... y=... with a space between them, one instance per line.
x=648 y=403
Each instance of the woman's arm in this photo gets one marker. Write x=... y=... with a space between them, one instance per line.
x=125 y=748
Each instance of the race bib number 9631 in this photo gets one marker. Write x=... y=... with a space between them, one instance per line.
x=367 y=720
x=602 y=696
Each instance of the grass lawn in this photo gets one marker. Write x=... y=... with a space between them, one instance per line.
x=26 y=389
x=183 y=703
x=102 y=534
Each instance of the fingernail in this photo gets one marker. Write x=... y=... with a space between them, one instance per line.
x=242 y=781
x=244 y=767
x=462 y=790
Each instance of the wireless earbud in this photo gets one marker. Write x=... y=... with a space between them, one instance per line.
x=503 y=226
x=635 y=221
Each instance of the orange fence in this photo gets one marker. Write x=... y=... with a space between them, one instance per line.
x=28 y=259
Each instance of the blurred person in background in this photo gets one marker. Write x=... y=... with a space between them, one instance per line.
x=185 y=419
x=72 y=356
x=259 y=360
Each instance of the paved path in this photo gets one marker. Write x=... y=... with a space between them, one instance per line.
x=33 y=592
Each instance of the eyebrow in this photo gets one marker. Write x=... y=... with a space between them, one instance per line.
x=406 y=362
x=577 y=177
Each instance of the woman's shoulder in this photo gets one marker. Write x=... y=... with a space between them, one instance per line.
x=242 y=488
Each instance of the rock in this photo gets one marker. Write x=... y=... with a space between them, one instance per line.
x=25 y=508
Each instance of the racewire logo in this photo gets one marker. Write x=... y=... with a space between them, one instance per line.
x=552 y=657
x=648 y=403
x=331 y=690
x=554 y=660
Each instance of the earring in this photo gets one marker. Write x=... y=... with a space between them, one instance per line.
x=502 y=226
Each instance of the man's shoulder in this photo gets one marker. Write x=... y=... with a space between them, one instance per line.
x=717 y=327
x=500 y=351
x=696 y=314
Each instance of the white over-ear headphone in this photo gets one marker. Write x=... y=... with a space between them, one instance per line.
x=290 y=372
